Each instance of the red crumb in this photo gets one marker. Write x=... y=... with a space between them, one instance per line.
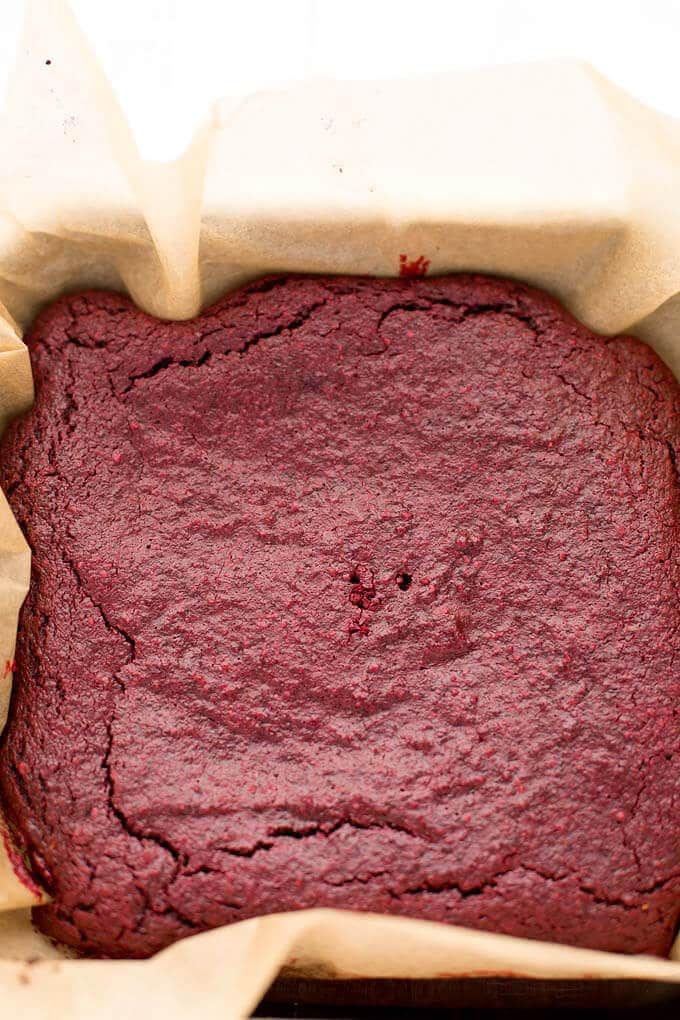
x=413 y=267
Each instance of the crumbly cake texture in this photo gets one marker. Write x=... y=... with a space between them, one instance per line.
x=351 y=592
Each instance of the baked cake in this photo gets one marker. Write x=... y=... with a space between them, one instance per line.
x=353 y=593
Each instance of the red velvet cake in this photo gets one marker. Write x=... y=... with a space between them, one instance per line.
x=355 y=593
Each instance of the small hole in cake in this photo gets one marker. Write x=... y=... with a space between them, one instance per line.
x=354 y=577
x=404 y=580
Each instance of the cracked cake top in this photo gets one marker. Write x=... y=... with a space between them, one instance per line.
x=350 y=592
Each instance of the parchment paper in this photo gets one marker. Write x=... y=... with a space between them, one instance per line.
x=545 y=172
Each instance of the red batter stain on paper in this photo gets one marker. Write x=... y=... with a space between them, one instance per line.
x=413 y=267
x=19 y=865
x=9 y=668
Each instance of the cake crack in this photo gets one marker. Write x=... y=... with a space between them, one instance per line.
x=625 y=903
x=108 y=623
x=206 y=355
x=313 y=831
x=133 y=831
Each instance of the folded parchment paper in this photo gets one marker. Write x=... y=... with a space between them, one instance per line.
x=545 y=172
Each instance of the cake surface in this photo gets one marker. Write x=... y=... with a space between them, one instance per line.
x=350 y=592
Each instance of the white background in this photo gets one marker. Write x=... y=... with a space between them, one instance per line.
x=182 y=54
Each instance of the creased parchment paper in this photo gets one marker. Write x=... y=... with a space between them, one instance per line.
x=546 y=172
